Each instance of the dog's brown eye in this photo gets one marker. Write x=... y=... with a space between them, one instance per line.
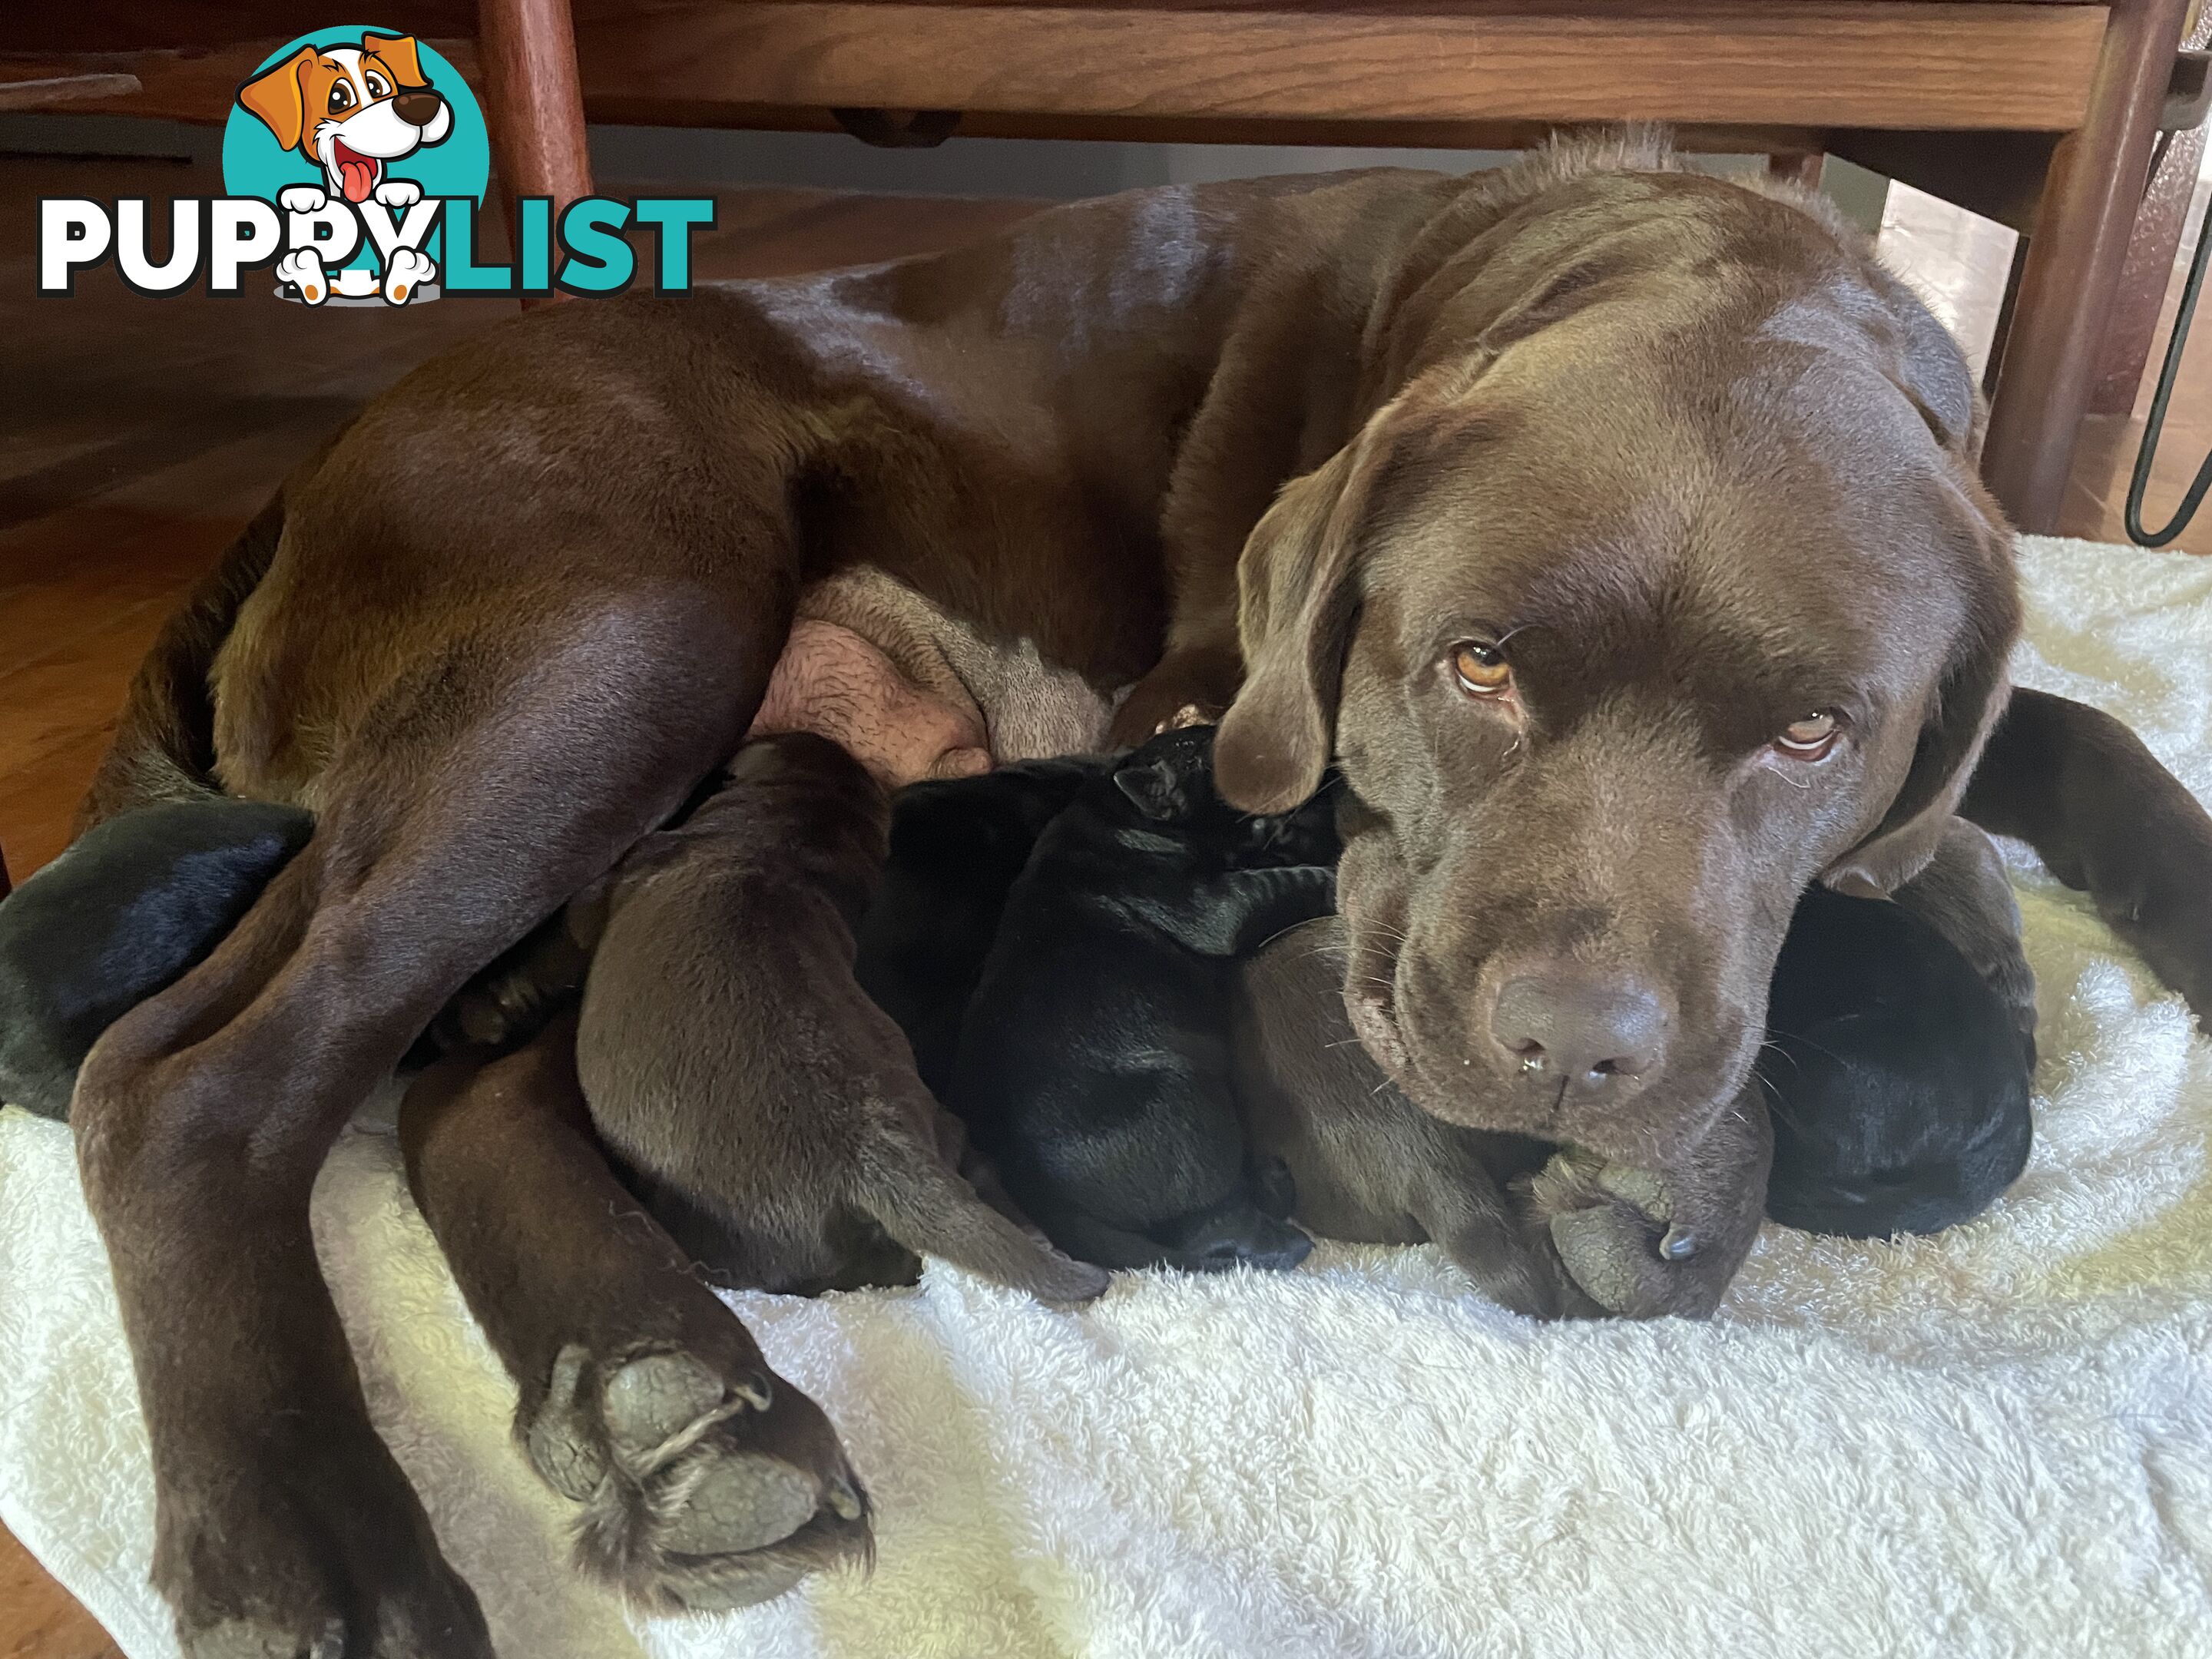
x=377 y=87
x=1481 y=669
x=340 y=97
x=1808 y=738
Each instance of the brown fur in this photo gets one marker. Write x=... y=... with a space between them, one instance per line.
x=534 y=596
x=779 y=1130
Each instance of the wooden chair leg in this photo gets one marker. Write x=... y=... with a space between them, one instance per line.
x=2074 y=261
x=536 y=101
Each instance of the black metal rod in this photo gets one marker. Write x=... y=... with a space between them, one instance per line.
x=2169 y=371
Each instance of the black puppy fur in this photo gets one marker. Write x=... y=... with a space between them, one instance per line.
x=956 y=848
x=1898 y=1087
x=123 y=914
x=1093 y=1064
x=1896 y=1078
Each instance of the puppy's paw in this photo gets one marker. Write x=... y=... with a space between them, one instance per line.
x=398 y=192
x=303 y=269
x=302 y=199
x=404 y=273
x=1615 y=1233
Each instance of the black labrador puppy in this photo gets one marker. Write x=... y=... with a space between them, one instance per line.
x=1897 y=1080
x=130 y=906
x=1093 y=1065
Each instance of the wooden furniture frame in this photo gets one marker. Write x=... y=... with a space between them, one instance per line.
x=2042 y=111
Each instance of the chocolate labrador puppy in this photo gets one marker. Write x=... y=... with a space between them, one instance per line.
x=781 y=1134
x=1614 y=528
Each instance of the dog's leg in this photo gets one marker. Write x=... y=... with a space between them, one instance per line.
x=1643 y=1244
x=1965 y=895
x=471 y=803
x=707 y=1480
x=2080 y=788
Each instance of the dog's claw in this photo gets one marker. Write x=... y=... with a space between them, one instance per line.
x=845 y=1502
x=756 y=1391
x=1679 y=1245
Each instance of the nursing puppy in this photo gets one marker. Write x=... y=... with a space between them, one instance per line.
x=131 y=905
x=956 y=848
x=1092 y=1063
x=778 y=1132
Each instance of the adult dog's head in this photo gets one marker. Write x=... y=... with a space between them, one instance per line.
x=1657 y=585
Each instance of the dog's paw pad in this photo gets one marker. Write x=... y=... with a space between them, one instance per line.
x=703 y=1487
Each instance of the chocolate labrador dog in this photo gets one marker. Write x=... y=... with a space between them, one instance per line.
x=1615 y=528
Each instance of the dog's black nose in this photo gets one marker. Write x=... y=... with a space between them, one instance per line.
x=1596 y=1032
x=418 y=109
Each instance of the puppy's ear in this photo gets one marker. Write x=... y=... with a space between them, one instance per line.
x=1154 y=788
x=398 y=55
x=1298 y=600
x=278 y=98
x=1967 y=702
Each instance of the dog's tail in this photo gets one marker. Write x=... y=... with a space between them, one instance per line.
x=164 y=746
x=931 y=1210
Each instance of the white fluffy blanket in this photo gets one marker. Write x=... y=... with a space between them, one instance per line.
x=1994 y=1441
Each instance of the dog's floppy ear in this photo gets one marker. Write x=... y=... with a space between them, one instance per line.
x=1932 y=372
x=1297 y=599
x=399 y=56
x=278 y=97
x=1968 y=700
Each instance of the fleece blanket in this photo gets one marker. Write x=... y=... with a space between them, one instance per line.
x=1997 y=1441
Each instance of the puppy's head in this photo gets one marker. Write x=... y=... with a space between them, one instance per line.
x=1167 y=785
x=350 y=108
x=1662 y=587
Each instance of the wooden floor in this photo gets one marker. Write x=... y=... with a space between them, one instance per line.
x=137 y=435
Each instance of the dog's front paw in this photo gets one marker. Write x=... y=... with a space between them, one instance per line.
x=405 y=273
x=1616 y=1232
x=303 y=269
x=398 y=192
x=302 y=199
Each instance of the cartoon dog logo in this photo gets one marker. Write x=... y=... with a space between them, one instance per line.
x=352 y=110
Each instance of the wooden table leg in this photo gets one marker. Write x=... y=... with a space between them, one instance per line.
x=535 y=101
x=2074 y=260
